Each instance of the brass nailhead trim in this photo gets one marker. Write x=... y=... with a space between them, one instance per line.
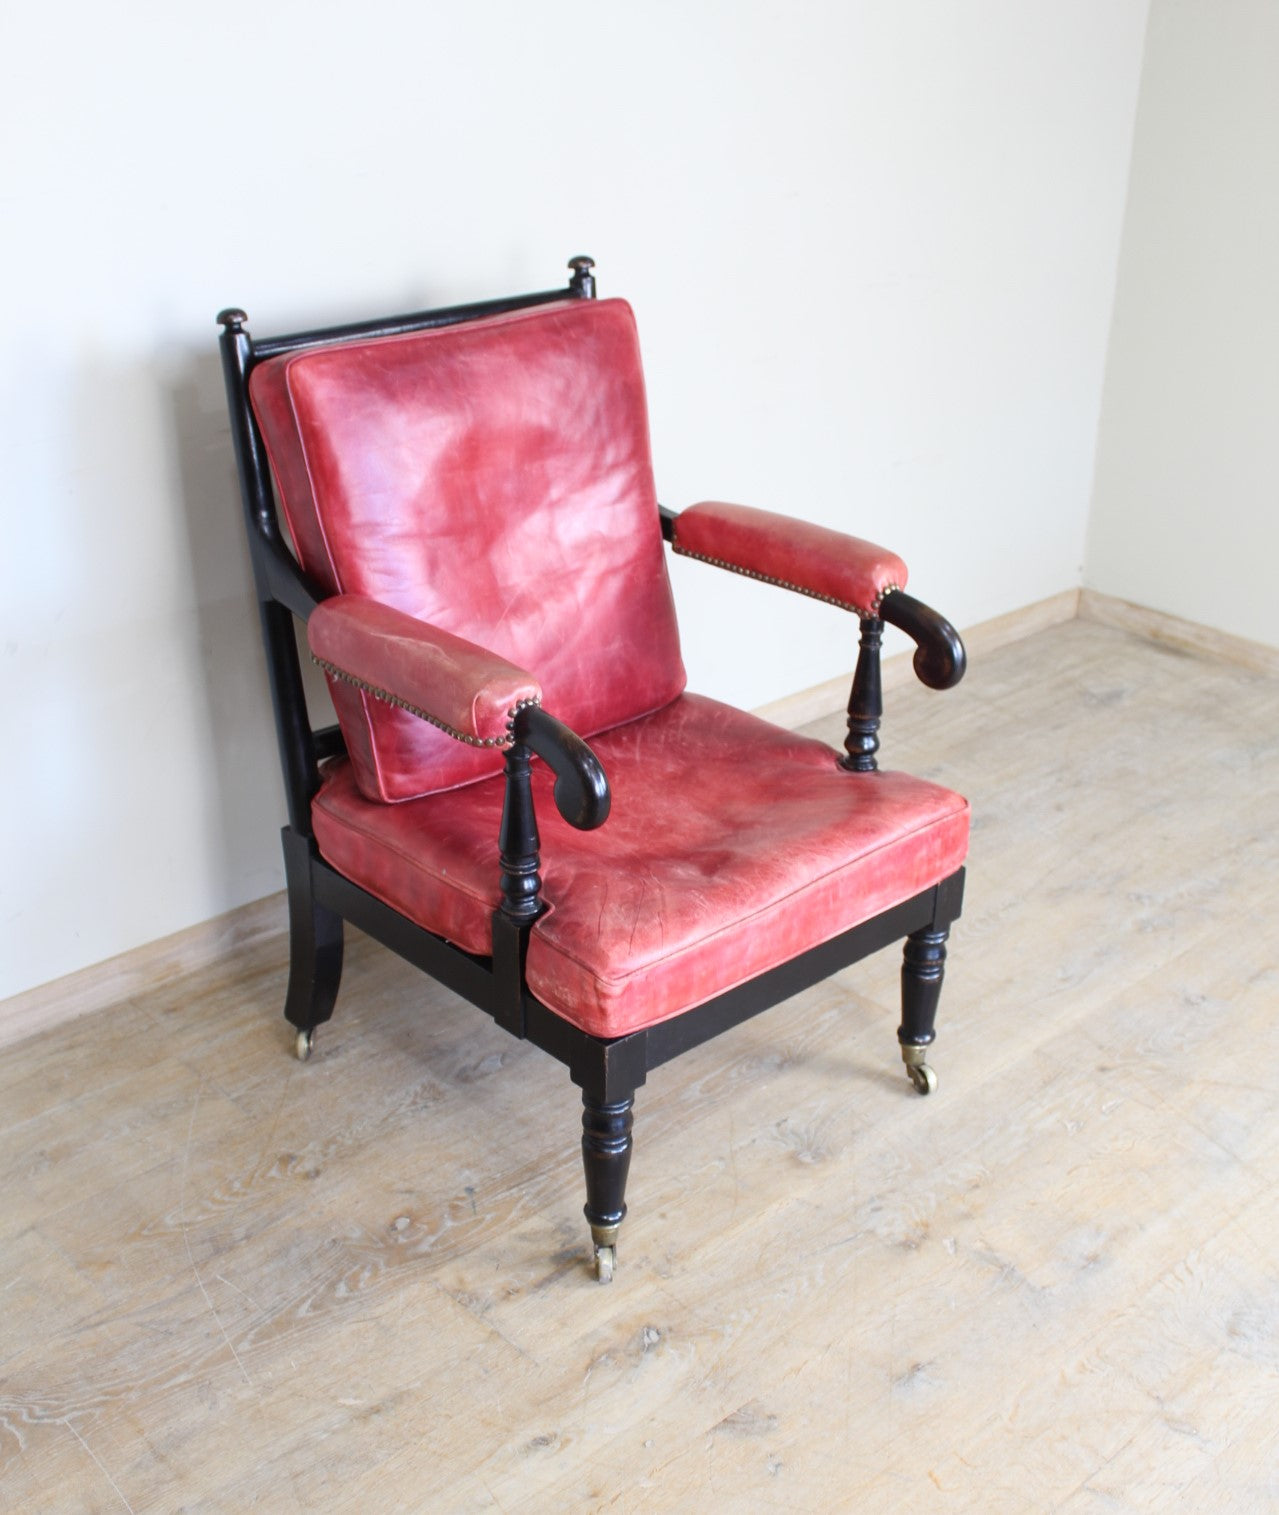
x=764 y=578
x=515 y=710
x=393 y=699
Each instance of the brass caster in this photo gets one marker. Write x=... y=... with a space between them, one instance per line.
x=604 y=1240
x=304 y=1044
x=923 y=1078
x=921 y=1075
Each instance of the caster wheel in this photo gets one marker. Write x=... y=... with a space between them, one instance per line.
x=304 y=1044
x=605 y=1262
x=923 y=1078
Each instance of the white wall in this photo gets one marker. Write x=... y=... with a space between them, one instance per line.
x=1186 y=509
x=871 y=246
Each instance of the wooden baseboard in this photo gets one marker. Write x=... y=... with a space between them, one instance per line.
x=811 y=704
x=1172 y=631
x=140 y=969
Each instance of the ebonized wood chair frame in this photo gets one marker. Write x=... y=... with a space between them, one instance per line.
x=320 y=899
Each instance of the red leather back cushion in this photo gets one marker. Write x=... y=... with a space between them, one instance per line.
x=493 y=479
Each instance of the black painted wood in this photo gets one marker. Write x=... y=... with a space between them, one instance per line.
x=923 y=967
x=940 y=659
x=315 y=942
x=866 y=702
x=583 y=281
x=508 y=1002
x=521 y=883
x=581 y=788
x=606 y=1158
x=287 y=583
x=329 y=742
x=397 y=326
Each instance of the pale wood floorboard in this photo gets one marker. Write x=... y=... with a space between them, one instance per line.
x=230 y=1282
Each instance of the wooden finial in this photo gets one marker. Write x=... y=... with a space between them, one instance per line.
x=583 y=281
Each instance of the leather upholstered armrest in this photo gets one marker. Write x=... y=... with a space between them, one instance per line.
x=462 y=688
x=458 y=686
x=828 y=565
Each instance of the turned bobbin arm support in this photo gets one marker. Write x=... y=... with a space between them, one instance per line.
x=841 y=570
x=581 y=797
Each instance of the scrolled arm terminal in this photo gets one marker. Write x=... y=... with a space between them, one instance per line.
x=940 y=660
x=582 y=794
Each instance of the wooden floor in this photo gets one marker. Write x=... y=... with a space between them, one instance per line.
x=231 y=1282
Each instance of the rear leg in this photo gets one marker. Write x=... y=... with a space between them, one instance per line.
x=315 y=948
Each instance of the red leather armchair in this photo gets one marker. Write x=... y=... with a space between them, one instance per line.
x=478 y=557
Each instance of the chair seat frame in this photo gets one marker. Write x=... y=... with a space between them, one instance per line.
x=320 y=899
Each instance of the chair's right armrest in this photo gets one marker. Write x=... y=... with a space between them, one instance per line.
x=462 y=688
x=829 y=565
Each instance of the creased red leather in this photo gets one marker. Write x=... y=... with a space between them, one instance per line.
x=494 y=480
x=464 y=686
x=813 y=559
x=732 y=846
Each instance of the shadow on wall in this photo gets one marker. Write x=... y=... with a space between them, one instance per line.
x=243 y=830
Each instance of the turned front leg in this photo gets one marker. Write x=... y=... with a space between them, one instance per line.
x=606 y=1157
x=923 y=967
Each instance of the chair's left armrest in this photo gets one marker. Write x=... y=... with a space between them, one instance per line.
x=464 y=689
x=813 y=560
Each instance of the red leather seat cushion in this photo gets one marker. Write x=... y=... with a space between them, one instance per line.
x=732 y=846
x=494 y=480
